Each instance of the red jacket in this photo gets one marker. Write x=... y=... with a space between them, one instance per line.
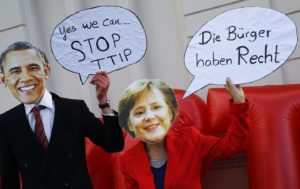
x=189 y=152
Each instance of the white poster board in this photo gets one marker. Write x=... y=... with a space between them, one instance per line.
x=100 y=38
x=245 y=44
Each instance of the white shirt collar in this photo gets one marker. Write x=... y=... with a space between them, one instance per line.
x=46 y=101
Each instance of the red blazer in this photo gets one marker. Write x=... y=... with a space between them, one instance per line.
x=189 y=152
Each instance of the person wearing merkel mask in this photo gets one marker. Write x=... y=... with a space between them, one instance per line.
x=172 y=158
x=42 y=140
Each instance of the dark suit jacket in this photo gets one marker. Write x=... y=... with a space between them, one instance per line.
x=63 y=164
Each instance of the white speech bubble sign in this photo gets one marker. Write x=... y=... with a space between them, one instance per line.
x=245 y=44
x=101 y=38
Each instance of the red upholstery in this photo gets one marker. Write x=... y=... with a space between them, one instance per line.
x=273 y=147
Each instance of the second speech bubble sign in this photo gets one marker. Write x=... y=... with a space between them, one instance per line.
x=245 y=44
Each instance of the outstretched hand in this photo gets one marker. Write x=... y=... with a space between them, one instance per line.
x=102 y=82
x=235 y=91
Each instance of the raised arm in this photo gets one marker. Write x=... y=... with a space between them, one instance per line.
x=102 y=82
x=236 y=92
x=236 y=137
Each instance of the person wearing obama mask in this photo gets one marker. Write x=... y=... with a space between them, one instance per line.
x=42 y=140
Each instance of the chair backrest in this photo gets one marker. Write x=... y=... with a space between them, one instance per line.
x=273 y=153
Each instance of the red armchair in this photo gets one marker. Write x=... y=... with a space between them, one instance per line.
x=273 y=154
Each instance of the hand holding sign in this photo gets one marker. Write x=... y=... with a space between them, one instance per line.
x=245 y=44
x=100 y=38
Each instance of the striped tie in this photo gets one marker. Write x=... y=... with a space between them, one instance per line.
x=39 y=127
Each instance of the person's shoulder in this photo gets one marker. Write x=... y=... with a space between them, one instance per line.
x=13 y=111
x=133 y=151
x=184 y=131
x=188 y=133
x=12 y=114
x=57 y=98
